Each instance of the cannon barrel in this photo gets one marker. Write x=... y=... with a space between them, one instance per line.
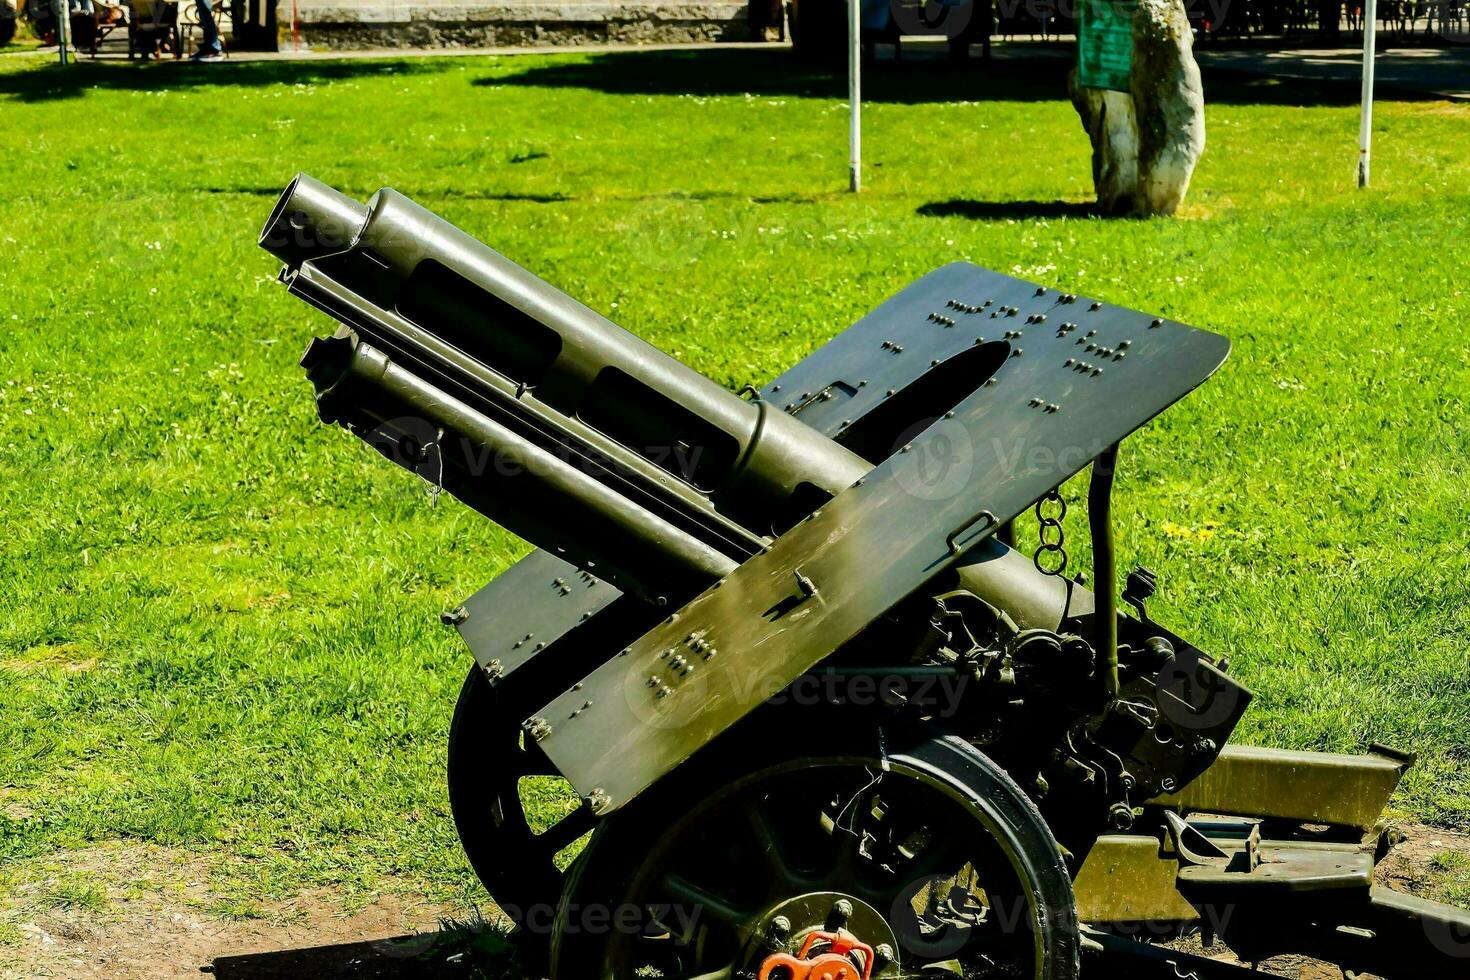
x=535 y=409
x=553 y=421
x=539 y=495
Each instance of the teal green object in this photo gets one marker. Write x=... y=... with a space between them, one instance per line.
x=1105 y=43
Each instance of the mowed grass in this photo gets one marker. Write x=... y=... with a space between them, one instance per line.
x=219 y=620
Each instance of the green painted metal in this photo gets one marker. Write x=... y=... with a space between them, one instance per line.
x=1105 y=43
x=1129 y=879
x=1265 y=898
x=700 y=551
x=1305 y=787
x=526 y=609
x=650 y=708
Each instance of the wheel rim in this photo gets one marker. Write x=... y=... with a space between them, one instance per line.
x=902 y=842
x=488 y=759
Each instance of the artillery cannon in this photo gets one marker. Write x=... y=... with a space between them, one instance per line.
x=731 y=637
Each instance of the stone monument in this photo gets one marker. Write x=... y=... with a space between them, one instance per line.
x=1137 y=88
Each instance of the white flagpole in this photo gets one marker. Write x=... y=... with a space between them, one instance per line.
x=1370 y=52
x=62 y=26
x=855 y=96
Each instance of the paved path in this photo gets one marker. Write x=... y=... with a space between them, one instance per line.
x=1433 y=71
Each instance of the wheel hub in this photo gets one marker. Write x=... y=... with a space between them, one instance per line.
x=822 y=936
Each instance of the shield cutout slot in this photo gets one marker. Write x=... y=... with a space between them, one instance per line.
x=902 y=416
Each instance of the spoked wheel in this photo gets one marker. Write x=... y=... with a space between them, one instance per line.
x=492 y=774
x=929 y=862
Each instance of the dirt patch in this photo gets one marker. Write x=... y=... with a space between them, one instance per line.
x=139 y=912
x=160 y=943
x=69 y=658
x=136 y=912
x=1429 y=863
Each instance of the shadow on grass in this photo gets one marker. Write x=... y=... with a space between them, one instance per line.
x=52 y=82
x=272 y=192
x=1002 y=210
x=778 y=72
x=524 y=197
x=457 y=953
x=1024 y=76
x=439 y=194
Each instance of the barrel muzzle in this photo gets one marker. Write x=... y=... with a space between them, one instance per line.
x=311 y=220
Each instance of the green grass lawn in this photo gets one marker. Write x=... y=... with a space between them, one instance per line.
x=219 y=620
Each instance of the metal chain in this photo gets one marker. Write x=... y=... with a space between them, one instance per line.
x=1053 y=536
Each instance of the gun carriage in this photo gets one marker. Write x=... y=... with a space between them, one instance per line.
x=731 y=636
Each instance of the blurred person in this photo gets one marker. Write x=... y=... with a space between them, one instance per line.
x=210 y=48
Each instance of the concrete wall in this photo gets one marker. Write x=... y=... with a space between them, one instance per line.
x=424 y=23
